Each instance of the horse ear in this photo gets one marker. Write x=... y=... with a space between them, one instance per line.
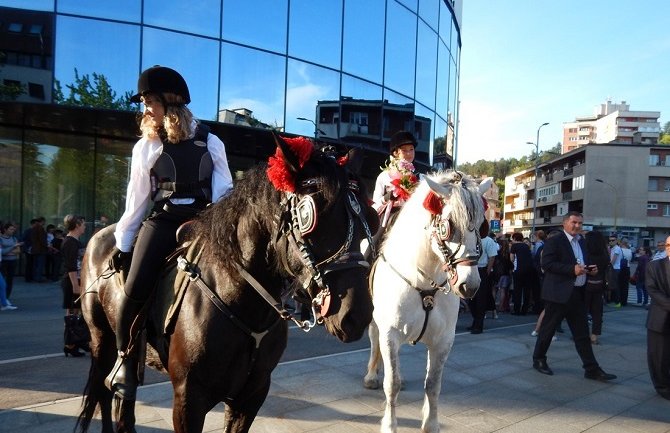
x=354 y=160
x=443 y=190
x=290 y=158
x=485 y=185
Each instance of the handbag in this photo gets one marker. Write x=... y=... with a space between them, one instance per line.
x=76 y=330
x=633 y=278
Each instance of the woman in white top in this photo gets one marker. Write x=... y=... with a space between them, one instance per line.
x=180 y=167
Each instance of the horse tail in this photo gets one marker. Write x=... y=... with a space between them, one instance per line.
x=95 y=393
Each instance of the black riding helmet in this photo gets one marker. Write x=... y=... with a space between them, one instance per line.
x=160 y=79
x=400 y=138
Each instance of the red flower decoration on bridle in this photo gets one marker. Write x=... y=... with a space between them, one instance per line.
x=433 y=203
x=279 y=174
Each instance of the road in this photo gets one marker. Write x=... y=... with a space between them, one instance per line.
x=34 y=370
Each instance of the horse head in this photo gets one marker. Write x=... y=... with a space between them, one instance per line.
x=457 y=214
x=324 y=217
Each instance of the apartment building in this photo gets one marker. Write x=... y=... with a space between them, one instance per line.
x=618 y=187
x=612 y=123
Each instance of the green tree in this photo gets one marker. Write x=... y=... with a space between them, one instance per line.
x=92 y=92
x=11 y=91
x=664 y=138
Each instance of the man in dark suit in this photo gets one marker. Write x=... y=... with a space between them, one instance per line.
x=657 y=281
x=564 y=264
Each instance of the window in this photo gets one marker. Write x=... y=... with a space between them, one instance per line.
x=359 y=118
x=654 y=159
x=578 y=183
x=36 y=90
x=653 y=185
x=35 y=29
x=652 y=206
x=666 y=210
x=7 y=82
x=15 y=27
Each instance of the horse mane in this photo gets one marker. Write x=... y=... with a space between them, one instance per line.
x=465 y=200
x=247 y=216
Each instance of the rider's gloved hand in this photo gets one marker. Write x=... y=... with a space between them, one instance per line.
x=120 y=260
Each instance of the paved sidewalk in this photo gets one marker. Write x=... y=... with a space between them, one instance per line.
x=488 y=386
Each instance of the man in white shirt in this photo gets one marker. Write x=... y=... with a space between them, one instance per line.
x=482 y=299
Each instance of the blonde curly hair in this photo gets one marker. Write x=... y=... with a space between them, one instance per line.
x=176 y=124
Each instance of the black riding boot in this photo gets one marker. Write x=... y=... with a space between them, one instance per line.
x=122 y=380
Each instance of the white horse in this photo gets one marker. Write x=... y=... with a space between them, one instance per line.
x=428 y=259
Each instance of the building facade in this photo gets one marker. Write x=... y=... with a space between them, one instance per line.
x=252 y=63
x=619 y=188
x=610 y=123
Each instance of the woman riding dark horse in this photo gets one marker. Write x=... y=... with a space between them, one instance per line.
x=173 y=146
x=215 y=319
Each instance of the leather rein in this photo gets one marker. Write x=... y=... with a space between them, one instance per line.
x=441 y=233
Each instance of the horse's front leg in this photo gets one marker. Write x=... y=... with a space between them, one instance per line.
x=437 y=356
x=190 y=406
x=389 y=345
x=240 y=414
x=371 y=379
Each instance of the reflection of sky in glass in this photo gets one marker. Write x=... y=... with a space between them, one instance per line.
x=359 y=89
x=38 y=5
x=442 y=94
x=124 y=10
x=426 y=66
x=454 y=39
x=119 y=64
x=440 y=132
x=445 y=24
x=200 y=17
x=409 y=3
x=261 y=23
x=307 y=84
x=400 y=49
x=196 y=59
x=429 y=10
x=363 y=47
x=254 y=80
x=315 y=31
x=452 y=88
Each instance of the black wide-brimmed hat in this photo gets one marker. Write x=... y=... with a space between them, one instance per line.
x=400 y=138
x=160 y=79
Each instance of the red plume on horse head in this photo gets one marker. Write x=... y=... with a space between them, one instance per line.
x=289 y=158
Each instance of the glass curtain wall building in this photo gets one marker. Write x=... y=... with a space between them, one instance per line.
x=343 y=70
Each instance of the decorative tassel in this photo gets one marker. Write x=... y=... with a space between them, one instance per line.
x=278 y=173
x=433 y=203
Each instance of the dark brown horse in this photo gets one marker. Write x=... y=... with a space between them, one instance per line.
x=228 y=335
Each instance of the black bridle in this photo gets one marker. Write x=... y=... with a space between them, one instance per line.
x=299 y=218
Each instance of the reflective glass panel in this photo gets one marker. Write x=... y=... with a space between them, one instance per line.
x=440 y=143
x=124 y=10
x=253 y=80
x=409 y=3
x=315 y=31
x=400 y=49
x=452 y=90
x=361 y=111
x=454 y=40
x=78 y=45
x=363 y=52
x=111 y=179
x=10 y=167
x=442 y=93
x=429 y=11
x=196 y=59
x=426 y=66
x=423 y=131
x=58 y=176
x=260 y=23
x=445 y=23
x=398 y=113
x=37 y=5
x=309 y=85
x=202 y=17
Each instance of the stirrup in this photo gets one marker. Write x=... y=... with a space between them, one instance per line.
x=122 y=380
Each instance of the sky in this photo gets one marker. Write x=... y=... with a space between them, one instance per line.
x=526 y=62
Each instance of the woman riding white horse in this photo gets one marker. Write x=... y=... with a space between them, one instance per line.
x=429 y=255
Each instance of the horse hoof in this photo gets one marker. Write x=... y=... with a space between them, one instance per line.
x=371 y=383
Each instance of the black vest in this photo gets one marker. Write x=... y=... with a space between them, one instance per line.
x=184 y=169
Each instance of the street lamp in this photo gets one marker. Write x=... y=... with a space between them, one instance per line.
x=537 y=163
x=616 y=201
x=317 y=131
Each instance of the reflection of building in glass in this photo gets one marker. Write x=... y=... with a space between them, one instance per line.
x=277 y=62
x=370 y=124
x=26 y=54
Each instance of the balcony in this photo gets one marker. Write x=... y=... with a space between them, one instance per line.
x=567 y=172
x=567 y=195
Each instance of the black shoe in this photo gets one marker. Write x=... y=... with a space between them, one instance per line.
x=599 y=375
x=122 y=380
x=476 y=331
x=542 y=366
x=73 y=352
x=469 y=328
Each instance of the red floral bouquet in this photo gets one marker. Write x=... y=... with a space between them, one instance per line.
x=402 y=176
